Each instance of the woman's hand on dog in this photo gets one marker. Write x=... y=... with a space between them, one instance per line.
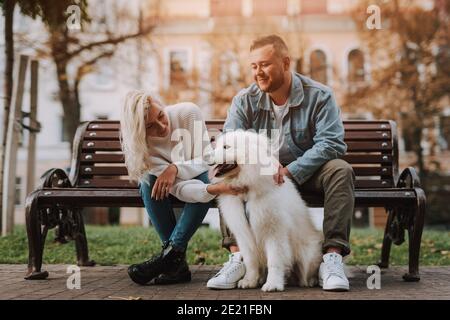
x=164 y=183
x=224 y=188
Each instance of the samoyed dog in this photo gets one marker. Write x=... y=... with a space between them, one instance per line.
x=273 y=229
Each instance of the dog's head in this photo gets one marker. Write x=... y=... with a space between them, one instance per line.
x=239 y=151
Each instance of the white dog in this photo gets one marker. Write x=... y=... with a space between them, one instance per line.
x=278 y=238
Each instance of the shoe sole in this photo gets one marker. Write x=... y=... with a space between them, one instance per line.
x=185 y=278
x=222 y=287
x=334 y=289
x=139 y=280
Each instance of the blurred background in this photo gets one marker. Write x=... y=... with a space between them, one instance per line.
x=388 y=61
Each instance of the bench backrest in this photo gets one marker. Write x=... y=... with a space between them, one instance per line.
x=97 y=160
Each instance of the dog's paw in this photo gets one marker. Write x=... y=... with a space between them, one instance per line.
x=248 y=283
x=261 y=281
x=309 y=283
x=313 y=282
x=270 y=286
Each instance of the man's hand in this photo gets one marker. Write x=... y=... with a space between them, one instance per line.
x=164 y=183
x=225 y=188
x=282 y=171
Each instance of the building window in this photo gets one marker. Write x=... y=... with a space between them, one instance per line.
x=178 y=68
x=299 y=66
x=269 y=8
x=318 y=66
x=226 y=8
x=18 y=196
x=313 y=6
x=356 y=72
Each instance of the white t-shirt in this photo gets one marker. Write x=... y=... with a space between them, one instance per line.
x=279 y=112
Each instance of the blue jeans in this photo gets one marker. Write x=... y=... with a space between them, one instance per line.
x=163 y=218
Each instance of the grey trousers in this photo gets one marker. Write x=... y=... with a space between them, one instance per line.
x=335 y=180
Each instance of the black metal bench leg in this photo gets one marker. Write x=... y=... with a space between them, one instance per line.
x=387 y=242
x=81 y=242
x=415 y=237
x=36 y=239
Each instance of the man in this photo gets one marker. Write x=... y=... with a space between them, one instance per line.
x=311 y=142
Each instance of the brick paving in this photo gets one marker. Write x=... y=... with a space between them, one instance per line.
x=112 y=283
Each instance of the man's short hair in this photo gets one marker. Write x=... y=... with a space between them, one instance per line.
x=278 y=44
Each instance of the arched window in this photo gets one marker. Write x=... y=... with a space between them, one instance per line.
x=318 y=66
x=356 y=72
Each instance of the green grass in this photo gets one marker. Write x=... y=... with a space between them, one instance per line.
x=124 y=245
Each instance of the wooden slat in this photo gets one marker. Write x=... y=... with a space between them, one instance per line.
x=102 y=158
x=104 y=126
x=367 y=135
x=102 y=145
x=373 y=171
x=350 y=135
x=348 y=125
x=358 y=146
x=366 y=126
x=104 y=171
x=352 y=145
x=105 y=183
x=115 y=183
x=131 y=197
x=362 y=184
x=368 y=158
x=101 y=135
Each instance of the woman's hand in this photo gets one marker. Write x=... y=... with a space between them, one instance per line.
x=164 y=183
x=224 y=188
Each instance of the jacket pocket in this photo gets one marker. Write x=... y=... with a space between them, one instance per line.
x=302 y=139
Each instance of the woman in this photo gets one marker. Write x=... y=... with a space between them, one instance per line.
x=163 y=148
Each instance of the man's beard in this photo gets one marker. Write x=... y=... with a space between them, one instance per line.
x=274 y=85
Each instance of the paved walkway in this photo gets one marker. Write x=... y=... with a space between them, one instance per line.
x=112 y=283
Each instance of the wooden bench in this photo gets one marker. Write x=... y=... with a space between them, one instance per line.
x=98 y=178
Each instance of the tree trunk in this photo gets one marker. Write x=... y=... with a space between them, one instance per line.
x=417 y=138
x=8 y=11
x=67 y=94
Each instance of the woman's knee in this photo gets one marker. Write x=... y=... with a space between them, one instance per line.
x=146 y=186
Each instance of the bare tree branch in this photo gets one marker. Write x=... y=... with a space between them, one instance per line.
x=113 y=41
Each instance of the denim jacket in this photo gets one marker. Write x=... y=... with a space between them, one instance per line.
x=312 y=127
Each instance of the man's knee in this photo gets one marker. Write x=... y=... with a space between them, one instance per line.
x=341 y=169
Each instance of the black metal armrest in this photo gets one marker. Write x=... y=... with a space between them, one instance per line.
x=409 y=179
x=55 y=178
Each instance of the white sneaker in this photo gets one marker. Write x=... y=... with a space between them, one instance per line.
x=231 y=272
x=331 y=273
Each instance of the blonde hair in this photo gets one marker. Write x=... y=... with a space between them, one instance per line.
x=132 y=134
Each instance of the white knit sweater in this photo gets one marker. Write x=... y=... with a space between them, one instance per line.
x=183 y=147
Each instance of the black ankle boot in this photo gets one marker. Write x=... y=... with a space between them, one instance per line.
x=145 y=272
x=175 y=273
